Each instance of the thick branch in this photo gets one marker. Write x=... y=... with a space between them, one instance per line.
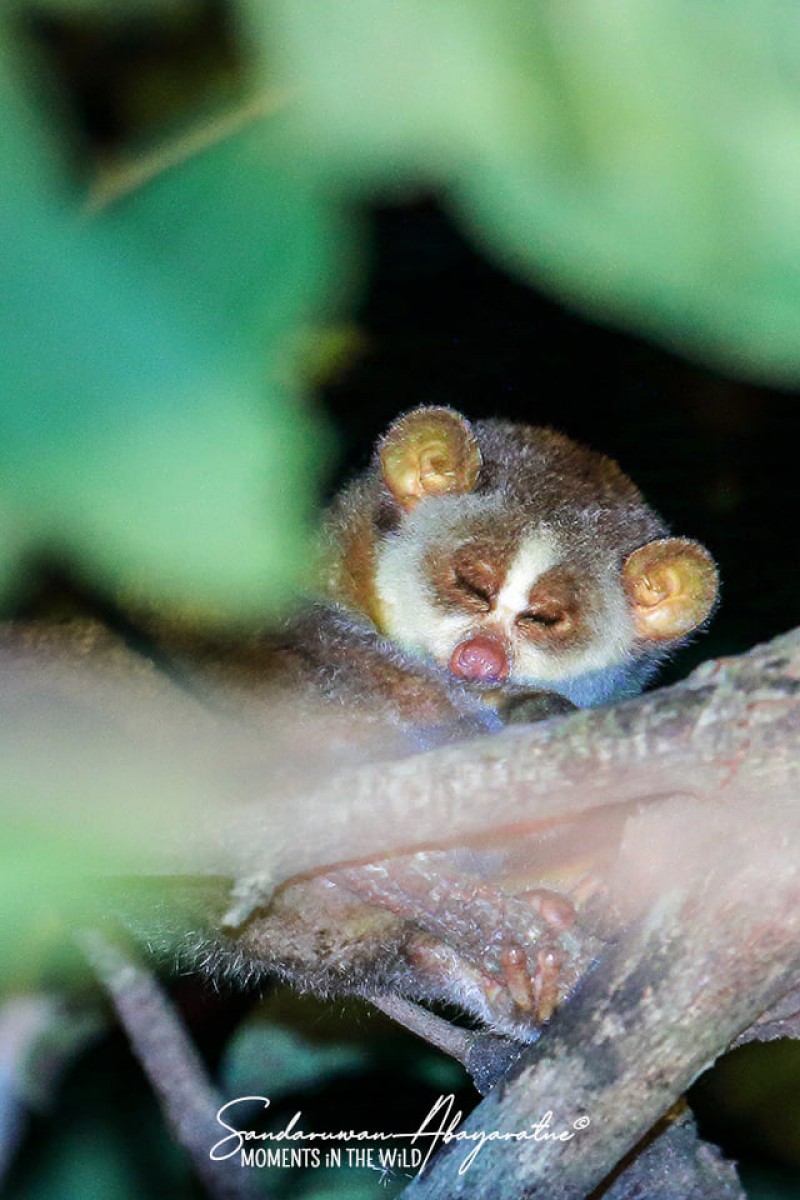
x=247 y=788
x=708 y=879
x=722 y=723
x=674 y=1163
x=713 y=893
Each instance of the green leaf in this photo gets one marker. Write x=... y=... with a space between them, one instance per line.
x=664 y=194
x=641 y=160
x=262 y=1055
x=153 y=425
x=241 y=245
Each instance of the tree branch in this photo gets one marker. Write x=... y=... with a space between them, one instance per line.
x=706 y=881
x=673 y=1162
x=125 y=178
x=782 y=1021
x=486 y=1056
x=23 y=1020
x=171 y=1063
x=713 y=907
x=696 y=738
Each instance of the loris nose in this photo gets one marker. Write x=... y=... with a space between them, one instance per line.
x=480 y=657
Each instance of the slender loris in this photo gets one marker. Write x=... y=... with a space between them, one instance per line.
x=491 y=561
x=469 y=569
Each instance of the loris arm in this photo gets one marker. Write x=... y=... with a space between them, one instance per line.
x=323 y=653
x=343 y=659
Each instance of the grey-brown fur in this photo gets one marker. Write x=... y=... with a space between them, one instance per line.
x=535 y=478
x=340 y=650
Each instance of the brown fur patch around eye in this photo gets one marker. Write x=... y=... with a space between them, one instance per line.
x=558 y=611
x=467 y=578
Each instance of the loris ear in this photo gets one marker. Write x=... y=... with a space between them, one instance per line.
x=671 y=586
x=429 y=452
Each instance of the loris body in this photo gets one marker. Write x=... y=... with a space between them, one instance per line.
x=469 y=568
x=495 y=560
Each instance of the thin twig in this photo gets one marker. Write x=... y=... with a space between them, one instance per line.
x=171 y=1063
x=486 y=1056
x=426 y=1025
x=115 y=183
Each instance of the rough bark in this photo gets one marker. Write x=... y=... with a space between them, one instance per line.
x=673 y=1164
x=729 y=715
x=712 y=889
x=734 y=718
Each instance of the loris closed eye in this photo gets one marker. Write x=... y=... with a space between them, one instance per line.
x=481 y=591
x=556 y=619
x=475 y=575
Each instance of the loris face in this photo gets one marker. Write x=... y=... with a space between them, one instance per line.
x=498 y=605
x=520 y=560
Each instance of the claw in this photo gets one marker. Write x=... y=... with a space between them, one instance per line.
x=545 y=983
x=516 y=977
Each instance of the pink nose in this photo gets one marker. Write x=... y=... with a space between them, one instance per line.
x=480 y=658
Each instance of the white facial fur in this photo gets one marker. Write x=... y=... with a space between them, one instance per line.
x=410 y=616
x=414 y=620
x=536 y=555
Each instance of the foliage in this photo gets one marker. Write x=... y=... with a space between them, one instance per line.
x=152 y=429
x=639 y=159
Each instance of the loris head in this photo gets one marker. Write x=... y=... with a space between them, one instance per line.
x=518 y=559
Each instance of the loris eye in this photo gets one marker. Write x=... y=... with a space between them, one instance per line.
x=475 y=590
x=557 y=620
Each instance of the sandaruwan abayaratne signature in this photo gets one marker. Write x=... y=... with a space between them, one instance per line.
x=439 y=1126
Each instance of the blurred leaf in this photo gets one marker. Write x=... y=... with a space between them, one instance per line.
x=145 y=427
x=46 y=889
x=10 y=553
x=291 y=1065
x=263 y=1055
x=664 y=192
x=298 y=1043
x=28 y=155
x=384 y=92
x=105 y=1139
x=104 y=763
x=240 y=245
x=90 y=1166
x=642 y=160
